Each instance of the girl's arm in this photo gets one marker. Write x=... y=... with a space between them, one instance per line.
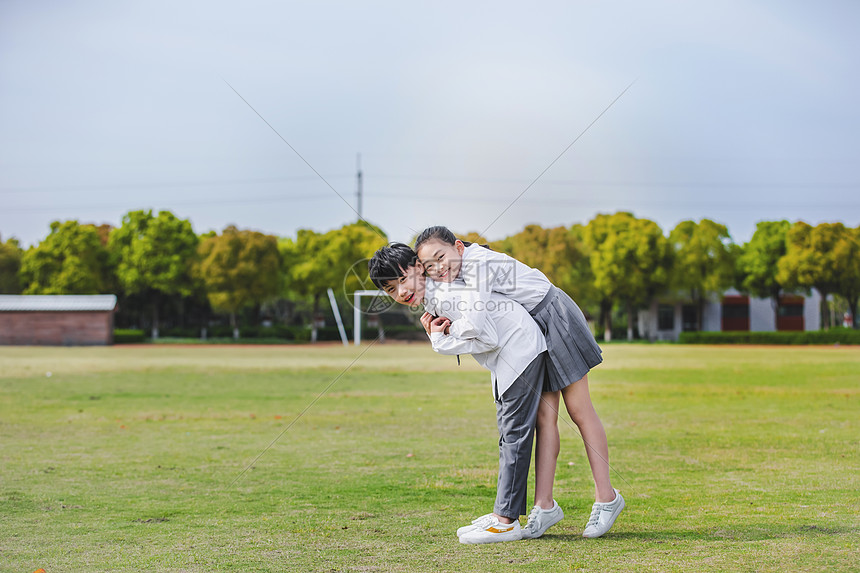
x=479 y=284
x=485 y=339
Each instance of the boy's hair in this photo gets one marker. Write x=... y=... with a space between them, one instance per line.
x=390 y=262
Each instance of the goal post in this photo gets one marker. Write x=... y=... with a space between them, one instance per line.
x=356 y=308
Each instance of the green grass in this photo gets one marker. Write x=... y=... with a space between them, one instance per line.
x=132 y=459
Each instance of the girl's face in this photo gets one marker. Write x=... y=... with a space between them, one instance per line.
x=409 y=288
x=441 y=260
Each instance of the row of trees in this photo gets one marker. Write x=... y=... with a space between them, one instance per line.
x=619 y=261
x=615 y=264
x=157 y=261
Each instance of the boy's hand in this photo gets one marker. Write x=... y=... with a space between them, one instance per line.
x=426 y=319
x=432 y=323
x=440 y=324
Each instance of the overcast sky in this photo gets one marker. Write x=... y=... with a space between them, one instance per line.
x=740 y=112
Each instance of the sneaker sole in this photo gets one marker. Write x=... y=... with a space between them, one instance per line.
x=496 y=538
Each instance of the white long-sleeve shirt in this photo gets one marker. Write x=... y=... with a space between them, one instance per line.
x=485 y=272
x=501 y=335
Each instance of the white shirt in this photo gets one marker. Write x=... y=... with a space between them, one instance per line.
x=486 y=272
x=501 y=335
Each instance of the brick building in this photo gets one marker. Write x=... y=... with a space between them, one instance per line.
x=57 y=320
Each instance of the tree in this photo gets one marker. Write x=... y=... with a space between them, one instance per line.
x=560 y=253
x=154 y=256
x=824 y=257
x=847 y=255
x=758 y=262
x=10 y=266
x=471 y=237
x=71 y=260
x=703 y=260
x=315 y=262
x=239 y=269
x=630 y=259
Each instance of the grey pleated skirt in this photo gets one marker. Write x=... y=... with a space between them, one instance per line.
x=570 y=345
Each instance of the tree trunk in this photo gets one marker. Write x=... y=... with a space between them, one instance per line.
x=379 y=328
x=155 y=317
x=700 y=313
x=233 y=324
x=852 y=306
x=314 y=313
x=824 y=310
x=629 y=321
x=607 y=317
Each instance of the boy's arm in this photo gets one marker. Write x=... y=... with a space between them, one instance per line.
x=449 y=344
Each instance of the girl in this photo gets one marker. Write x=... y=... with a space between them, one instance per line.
x=572 y=352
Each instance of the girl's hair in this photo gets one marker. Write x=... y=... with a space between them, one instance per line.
x=439 y=233
x=390 y=262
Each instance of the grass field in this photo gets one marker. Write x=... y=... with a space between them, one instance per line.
x=132 y=459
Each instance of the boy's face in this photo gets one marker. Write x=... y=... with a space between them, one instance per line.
x=409 y=288
x=441 y=260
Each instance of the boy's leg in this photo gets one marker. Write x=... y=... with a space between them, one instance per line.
x=516 y=413
x=547 y=446
x=578 y=402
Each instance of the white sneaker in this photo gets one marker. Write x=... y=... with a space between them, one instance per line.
x=477 y=523
x=542 y=519
x=493 y=531
x=603 y=515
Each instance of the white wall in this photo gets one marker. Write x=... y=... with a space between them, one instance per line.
x=762 y=317
x=812 y=311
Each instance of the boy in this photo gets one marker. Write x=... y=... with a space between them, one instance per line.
x=503 y=338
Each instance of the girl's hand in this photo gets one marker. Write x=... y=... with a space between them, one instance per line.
x=440 y=324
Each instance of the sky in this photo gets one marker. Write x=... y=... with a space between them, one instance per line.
x=463 y=113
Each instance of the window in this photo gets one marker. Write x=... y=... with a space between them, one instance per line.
x=665 y=317
x=689 y=318
x=735 y=313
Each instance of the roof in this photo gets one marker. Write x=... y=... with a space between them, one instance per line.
x=57 y=302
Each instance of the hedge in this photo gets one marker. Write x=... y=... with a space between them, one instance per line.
x=833 y=336
x=128 y=336
x=267 y=334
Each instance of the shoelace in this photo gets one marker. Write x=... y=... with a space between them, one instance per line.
x=595 y=515
x=483 y=521
x=533 y=516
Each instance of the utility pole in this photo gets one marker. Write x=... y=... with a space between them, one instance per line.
x=358 y=175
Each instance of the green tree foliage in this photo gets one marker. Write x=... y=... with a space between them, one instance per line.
x=559 y=252
x=10 y=266
x=630 y=259
x=71 y=260
x=154 y=256
x=703 y=260
x=315 y=262
x=847 y=254
x=759 y=259
x=471 y=237
x=239 y=269
x=824 y=257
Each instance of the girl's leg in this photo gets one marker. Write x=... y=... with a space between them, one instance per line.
x=546 y=448
x=577 y=400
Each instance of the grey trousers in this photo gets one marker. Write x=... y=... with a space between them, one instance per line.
x=516 y=413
